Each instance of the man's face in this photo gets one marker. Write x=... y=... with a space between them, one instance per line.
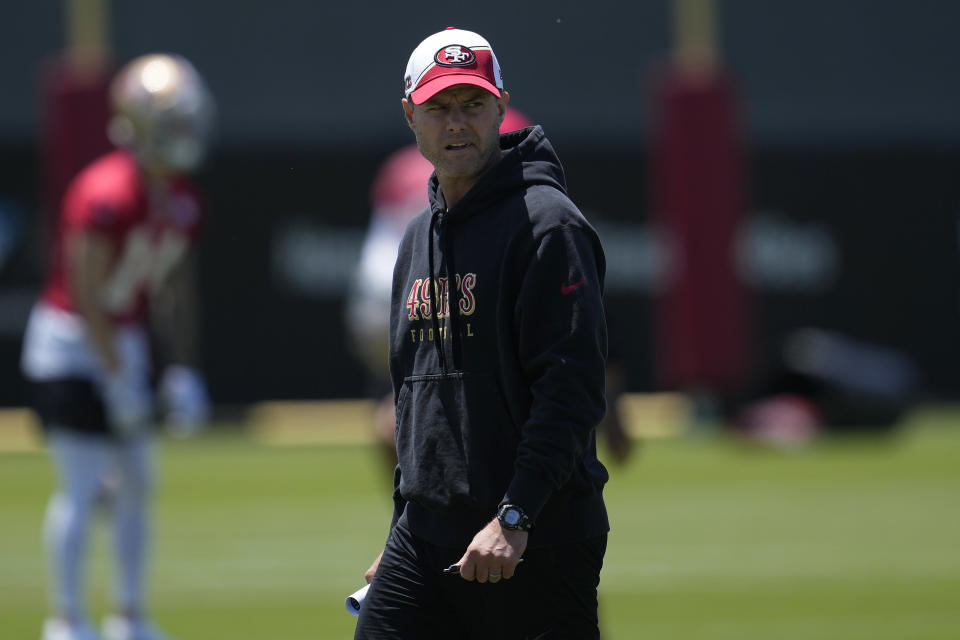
x=458 y=130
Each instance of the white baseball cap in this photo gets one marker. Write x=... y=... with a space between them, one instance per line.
x=452 y=56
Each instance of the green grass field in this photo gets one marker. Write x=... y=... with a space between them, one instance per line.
x=845 y=540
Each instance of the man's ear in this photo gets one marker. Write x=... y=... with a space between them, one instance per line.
x=407 y=111
x=502 y=104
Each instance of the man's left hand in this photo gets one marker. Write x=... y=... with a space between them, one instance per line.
x=493 y=554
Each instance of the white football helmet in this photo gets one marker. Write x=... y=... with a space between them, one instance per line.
x=163 y=111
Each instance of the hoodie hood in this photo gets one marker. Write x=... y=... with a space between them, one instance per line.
x=527 y=159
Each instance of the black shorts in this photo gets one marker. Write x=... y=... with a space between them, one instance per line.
x=73 y=404
x=552 y=595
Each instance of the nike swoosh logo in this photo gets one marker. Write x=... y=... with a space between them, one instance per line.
x=567 y=289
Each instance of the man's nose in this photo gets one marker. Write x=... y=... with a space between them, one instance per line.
x=455 y=119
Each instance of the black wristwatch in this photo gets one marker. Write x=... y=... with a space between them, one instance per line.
x=513 y=518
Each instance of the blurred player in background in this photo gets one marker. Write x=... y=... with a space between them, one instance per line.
x=398 y=194
x=121 y=274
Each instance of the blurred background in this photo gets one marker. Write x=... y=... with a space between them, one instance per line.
x=776 y=184
x=840 y=210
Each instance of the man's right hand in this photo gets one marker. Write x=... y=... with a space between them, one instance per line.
x=372 y=571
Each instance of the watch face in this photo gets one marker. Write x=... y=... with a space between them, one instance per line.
x=511 y=517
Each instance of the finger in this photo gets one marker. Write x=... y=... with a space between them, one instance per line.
x=482 y=575
x=494 y=575
x=468 y=570
x=510 y=568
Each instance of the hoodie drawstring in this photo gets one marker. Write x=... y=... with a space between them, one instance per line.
x=452 y=298
x=435 y=302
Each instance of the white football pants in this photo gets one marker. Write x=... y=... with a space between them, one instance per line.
x=89 y=469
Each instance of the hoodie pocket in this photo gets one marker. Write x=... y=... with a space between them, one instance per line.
x=455 y=441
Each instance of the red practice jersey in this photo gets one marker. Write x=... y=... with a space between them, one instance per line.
x=150 y=237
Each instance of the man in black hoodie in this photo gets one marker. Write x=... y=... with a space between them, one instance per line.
x=497 y=347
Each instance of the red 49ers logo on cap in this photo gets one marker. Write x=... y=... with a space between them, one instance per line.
x=455 y=55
